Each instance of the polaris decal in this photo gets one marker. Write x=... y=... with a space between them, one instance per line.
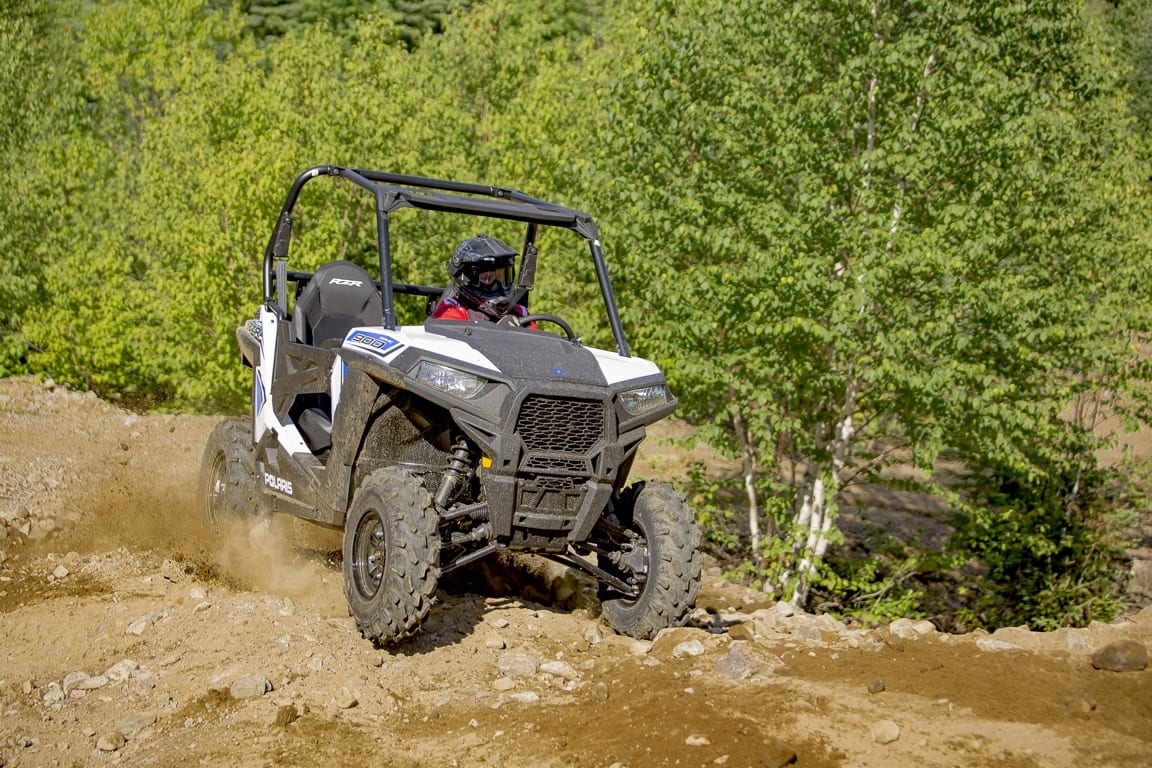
x=343 y=281
x=376 y=342
x=277 y=483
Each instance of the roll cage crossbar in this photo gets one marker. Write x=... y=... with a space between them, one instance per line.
x=394 y=191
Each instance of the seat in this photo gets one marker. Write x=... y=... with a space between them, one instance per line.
x=340 y=296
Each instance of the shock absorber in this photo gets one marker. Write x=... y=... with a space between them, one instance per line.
x=459 y=470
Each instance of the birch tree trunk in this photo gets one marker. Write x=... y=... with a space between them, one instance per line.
x=816 y=505
x=748 y=466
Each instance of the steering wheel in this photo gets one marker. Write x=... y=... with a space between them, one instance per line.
x=520 y=322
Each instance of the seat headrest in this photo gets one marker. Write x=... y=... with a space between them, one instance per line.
x=340 y=296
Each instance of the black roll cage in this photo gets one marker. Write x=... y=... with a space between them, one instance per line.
x=393 y=191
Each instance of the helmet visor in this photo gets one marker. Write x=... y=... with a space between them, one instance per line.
x=490 y=278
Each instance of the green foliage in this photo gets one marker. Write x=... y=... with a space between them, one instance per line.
x=925 y=220
x=870 y=591
x=919 y=218
x=1052 y=551
x=413 y=21
x=1130 y=26
x=41 y=101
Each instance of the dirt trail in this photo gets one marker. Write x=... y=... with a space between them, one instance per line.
x=131 y=636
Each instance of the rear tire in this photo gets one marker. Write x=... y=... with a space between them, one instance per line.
x=228 y=474
x=391 y=555
x=668 y=544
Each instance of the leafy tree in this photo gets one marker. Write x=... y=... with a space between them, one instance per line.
x=196 y=131
x=1130 y=26
x=900 y=232
x=41 y=103
x=413 y=20
x=916 y=229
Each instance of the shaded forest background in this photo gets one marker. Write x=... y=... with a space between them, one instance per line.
x=856 y=234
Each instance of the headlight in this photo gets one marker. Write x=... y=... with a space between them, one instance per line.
x=449 y=380
x=637 y=401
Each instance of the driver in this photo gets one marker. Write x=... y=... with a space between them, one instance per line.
x=481 y=269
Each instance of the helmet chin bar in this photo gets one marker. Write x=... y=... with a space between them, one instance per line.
x=492 y=302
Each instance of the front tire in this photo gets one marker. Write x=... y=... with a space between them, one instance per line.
x=227 y=488
x=391 y=555
x=663 y=554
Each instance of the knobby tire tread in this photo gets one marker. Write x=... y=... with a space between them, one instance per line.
x=673 y=583
x=413 y=551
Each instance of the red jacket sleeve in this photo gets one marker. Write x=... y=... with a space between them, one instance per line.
x=446 y=311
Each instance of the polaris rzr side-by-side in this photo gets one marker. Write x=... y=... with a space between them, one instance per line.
x=436 y=444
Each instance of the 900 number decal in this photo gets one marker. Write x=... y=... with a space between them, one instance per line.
x=376 y=342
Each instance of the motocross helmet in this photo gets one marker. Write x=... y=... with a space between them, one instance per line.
x=469 y=266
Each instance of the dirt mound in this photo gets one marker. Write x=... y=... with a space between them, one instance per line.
x=131 y=635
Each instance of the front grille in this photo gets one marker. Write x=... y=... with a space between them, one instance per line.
x=539 y=463
x=560 y=424
x=547 y=483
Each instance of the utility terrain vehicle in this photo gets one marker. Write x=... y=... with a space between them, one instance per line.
x=434 y=445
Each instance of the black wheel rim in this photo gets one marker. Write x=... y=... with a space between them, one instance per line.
x=369 y=555
x=218 y=489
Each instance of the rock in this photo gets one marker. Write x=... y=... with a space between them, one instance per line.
x=121 y=670
x=93 y=683
x=42 y=529
x=688 y=648
x=697 y=740
x=525 y=697
x=287 y=715
x=903 y=629
x=1076 y=640
x=141 y=624
x=560 y=669
x=110 y=742
x=53 y=694
x=1141 y=583
x=1079 y=705
x=640 y=647
x=739 y=663
x=821 y=630
x=988 y=644
x=503 y=684
x=1121 y=656
x=925 y=628
x=345 y=699
x=741 y=631
x=131 y=725
x=12 y=516
x=517 y=665
x=60 y=572
x=876 y=686
x=73 y=680
x=786 y=610
x=884 y=732
x=249 y=687
x=777 y=754
x=1019 y=637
